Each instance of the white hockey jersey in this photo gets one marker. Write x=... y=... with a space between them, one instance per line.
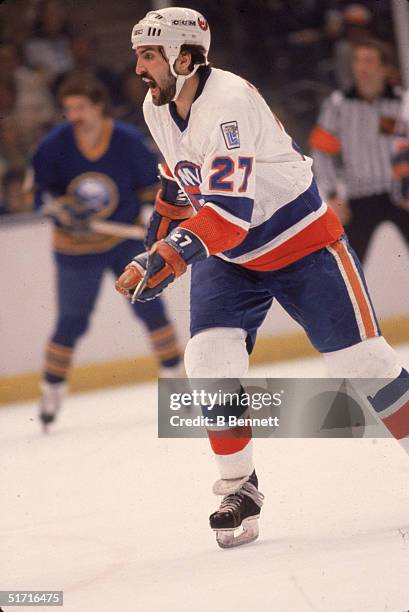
x=232 y=154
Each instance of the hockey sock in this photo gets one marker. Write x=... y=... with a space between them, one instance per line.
x=230 y=442
x=390 y=401
x=165 y=345
x=57 y=362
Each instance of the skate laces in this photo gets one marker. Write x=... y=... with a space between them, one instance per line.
x=232 y=502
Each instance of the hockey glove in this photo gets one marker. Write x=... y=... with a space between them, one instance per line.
x=149 y=273
x=68 y=213
x=171 y=208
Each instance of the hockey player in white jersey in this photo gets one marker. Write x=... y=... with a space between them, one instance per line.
x=259 y=231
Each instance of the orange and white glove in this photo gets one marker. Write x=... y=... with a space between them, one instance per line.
x=149 y=273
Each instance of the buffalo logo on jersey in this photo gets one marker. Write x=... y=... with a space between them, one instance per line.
x=230 y=131
x=96 y=192
x=189 y=177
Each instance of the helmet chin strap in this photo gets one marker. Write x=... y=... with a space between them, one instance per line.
x=180 y=79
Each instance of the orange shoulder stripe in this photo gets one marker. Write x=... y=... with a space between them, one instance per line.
x=324 y=141
x=401 y=170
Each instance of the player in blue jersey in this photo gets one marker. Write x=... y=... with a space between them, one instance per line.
x=91 y=167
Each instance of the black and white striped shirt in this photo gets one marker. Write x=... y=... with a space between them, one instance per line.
x=352 y=144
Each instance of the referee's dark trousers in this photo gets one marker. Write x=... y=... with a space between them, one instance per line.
x=369 y=212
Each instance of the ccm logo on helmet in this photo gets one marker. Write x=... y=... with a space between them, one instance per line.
x=183 y=22
x=202 y=23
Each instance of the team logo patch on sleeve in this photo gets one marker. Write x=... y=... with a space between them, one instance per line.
x=231 y=135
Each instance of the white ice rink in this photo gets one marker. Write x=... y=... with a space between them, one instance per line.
x=118 y=519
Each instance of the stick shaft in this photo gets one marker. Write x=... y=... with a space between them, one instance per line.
x=122 y=230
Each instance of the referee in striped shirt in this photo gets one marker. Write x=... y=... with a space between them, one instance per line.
x=352 y=148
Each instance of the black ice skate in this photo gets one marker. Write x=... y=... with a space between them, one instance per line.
x=240 y=507
x=52 y=396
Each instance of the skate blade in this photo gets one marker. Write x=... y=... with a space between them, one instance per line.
x=226 y=539
x=46 y=420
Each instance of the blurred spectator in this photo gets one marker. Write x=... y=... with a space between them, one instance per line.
x=281 y=38
x=353 y=144
x=133 y=93
x=381 y=15
x=12 y=153
x=26 y=112
x=7 y=97
x=357 y=26
x=16 y=18
x=28 y=100
x=49 y=48
x=14 y=198
x=12 y=157
x=306 y=22
x=84 y=52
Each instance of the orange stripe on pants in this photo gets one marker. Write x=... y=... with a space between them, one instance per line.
x=357 y=288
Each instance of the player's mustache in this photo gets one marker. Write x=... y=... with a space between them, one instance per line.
x=147 y=76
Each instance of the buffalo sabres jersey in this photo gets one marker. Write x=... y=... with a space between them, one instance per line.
x=232 y=154
x=106 y=180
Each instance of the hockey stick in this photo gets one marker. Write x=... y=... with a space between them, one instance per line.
x=144 y=280
x=52 y=208
x=122 y=230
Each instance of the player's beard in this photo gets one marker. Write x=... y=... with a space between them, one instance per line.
x=166 y=91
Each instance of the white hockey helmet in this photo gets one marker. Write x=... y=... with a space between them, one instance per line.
x=171 y=28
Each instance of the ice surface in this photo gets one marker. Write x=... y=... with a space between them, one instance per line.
x=118 y=519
